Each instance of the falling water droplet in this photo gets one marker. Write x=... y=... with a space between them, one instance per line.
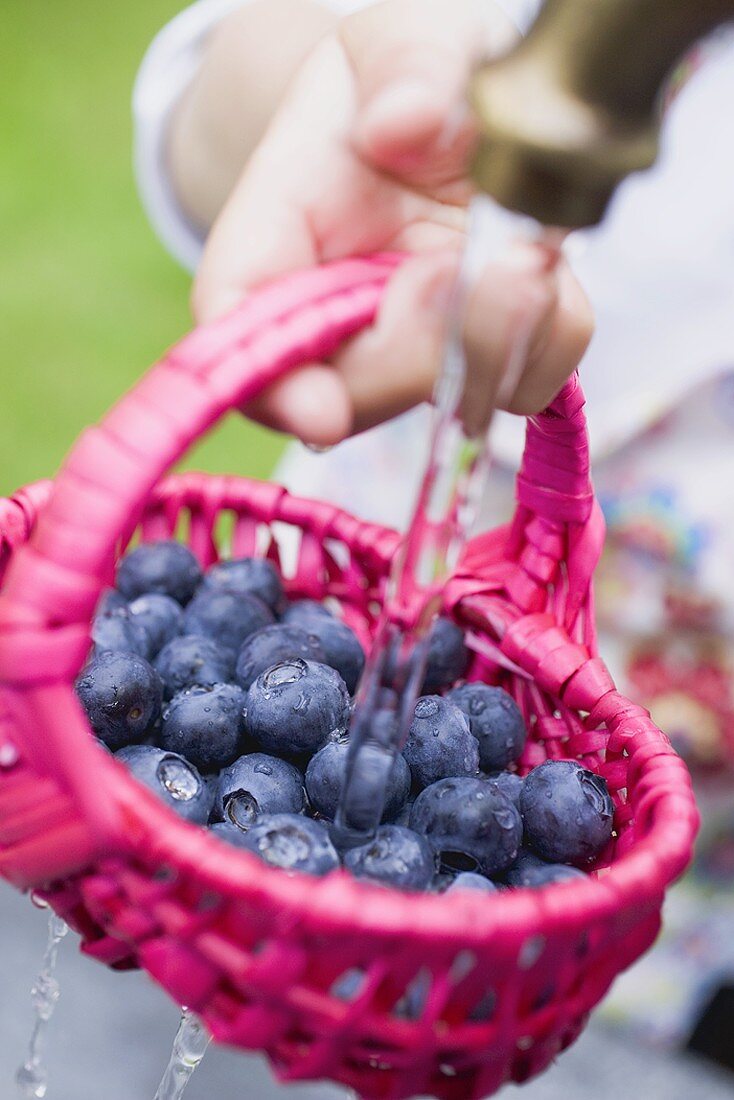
x=318 y=448
x=189 y=1047
x=32 y=1076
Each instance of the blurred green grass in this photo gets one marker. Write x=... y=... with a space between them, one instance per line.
x=88 y=297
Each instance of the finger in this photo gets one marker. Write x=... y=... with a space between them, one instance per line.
x=515 y=307
x=312 y=404
x=558 y=347
x=411 y=60
x=394 y=365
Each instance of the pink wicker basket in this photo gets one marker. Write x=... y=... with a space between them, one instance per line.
x=259 y=954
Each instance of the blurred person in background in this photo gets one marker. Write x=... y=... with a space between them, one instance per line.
x=275 y=133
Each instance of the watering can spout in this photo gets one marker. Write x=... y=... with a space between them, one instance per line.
x=574 y=108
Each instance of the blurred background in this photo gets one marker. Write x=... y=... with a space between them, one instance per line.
x=88 y=299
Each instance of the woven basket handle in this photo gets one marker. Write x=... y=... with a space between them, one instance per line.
x=54 y=582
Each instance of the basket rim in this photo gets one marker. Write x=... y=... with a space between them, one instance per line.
x=345 y=905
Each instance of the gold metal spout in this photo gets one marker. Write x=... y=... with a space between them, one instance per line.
x=575 y=107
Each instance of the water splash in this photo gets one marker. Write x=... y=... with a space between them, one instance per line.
x=189 y=1047
x=32 y=1076
x=446 y=507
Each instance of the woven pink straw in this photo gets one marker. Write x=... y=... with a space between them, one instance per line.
x=258 y=953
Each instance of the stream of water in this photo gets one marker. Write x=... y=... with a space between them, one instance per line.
x=32 y=1076
x=451 y=491
x=189 y=1047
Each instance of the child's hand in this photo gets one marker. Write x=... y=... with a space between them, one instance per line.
x=369 y=152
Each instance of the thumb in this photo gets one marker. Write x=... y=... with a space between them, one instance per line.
x=411 y=61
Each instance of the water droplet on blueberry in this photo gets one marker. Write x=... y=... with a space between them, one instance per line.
x=289 y=672
x=426 y=708
x=302 y=704
x=178 y=779
x=263 y=769
x=506 y=819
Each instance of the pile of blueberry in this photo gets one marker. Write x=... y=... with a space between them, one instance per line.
x=233 y=706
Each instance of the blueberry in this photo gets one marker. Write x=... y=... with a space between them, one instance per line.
x=118 y=632
x=470 y=824
x=272 y=645
x=205 y=724
x=166 y=567
x=161 y=616
x=341 y=646
x=396 y=856
x=496 y=722
x=439 y=742
x=441 y=881
x=121 y=694
x=295 y=707
x=348 y=985
x=531 y=870
x=447 y=656
x=509 y=783
x=191 y=660
x=173 y=779
x=567 y=812
x=300 y=612
x=258 y=784
x=247 y=576
x=229 y=832
x=110 y=600
x=292 y=842
x=403 y=817
x=227 y=617
x=412 y=1004
x=469 y=880
x=325 y=779
x=212 y=785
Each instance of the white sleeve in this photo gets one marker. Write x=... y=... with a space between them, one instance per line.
x=169 y=66
x=521 y=12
